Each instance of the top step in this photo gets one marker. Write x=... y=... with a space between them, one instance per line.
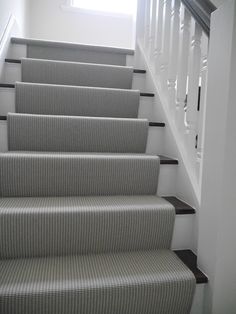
x=67 y=51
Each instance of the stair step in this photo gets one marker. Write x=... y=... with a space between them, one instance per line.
x=76 y=100
x=66 y=51
x=190 y=260
x=151 y=124
x=181 y=207
x=61 y=44
x=132 y=282
x=76 y=134
x=75 y=73
x=19 y=61
x=84 y=225
x=46 y=174
x=142 y=94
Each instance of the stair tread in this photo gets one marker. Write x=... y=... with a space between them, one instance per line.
x=64 y=44
x=85 y=272
x=84 y=225
x=142 y=94
x=181 y=207
x=164 y=160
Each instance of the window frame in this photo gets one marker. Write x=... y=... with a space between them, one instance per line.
x=69 y=7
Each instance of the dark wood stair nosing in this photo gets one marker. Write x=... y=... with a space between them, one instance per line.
x=190 y=260
x=13 y=60
x=139 y=71
x=181 y=208
x=164 y=160
x=7 y=85
x=142 y=94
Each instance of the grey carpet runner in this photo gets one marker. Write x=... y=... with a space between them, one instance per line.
x=76 y=134
x=76 y=100
x=27 y=174
x=50 y=226
x=81 y=227
x=74 y=73
x=53 y=50
x=129 y=283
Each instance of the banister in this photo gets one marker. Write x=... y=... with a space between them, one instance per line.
x=201 y=11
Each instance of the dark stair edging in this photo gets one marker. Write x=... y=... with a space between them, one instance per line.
x=190 y=260
x=181 y=208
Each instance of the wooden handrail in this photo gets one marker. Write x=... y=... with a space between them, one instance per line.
x=201 y=10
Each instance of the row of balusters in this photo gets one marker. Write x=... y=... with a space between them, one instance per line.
x=176 y=48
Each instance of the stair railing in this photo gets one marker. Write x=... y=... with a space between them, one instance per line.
x=173 y=36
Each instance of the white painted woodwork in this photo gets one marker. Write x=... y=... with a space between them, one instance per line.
x=173 y=55
x=158 y=37
x=193 y=90
x=153 y=30
x=166 y=43
x=147 y=23
x=183 y=70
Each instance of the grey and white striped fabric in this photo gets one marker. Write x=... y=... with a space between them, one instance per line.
x=75 y=55
x=31 y=227
x=76 y=101
x=73 y=73
x=68 y=51
x=44 y=174
x=135 y=282
x=76 y=134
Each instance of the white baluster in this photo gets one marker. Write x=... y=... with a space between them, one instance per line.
x=193 y=90
x=174 y=54
x=202 y=111
x=158 y=37
x=153 y=30
x=147 y=23
x=183 y=70
x=166 y=43
x=140 y=21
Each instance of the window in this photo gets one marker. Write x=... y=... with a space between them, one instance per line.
x=127 y=7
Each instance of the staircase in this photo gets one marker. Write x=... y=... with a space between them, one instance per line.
x=84 y=228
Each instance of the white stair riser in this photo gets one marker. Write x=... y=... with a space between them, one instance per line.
x=146 y=108
x=183 y=232
x=17 y=51
x=7 y=100
x=12 y=73
x=167 y=180
x=198 y=300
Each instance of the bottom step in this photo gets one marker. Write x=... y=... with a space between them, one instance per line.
x=134 y=282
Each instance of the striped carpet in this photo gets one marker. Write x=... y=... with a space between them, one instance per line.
x=129 y=283
x=73 y=73
x=76 y=100
x=81 y=227
x=76 y=134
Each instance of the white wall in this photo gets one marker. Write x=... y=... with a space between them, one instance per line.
x=16 y=7
x=217 y=232
x=217 y=3
x=49 y=21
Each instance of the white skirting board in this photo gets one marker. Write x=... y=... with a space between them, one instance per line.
x=11 y=29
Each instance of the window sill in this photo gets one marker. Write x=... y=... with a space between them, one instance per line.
x=72 y=9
